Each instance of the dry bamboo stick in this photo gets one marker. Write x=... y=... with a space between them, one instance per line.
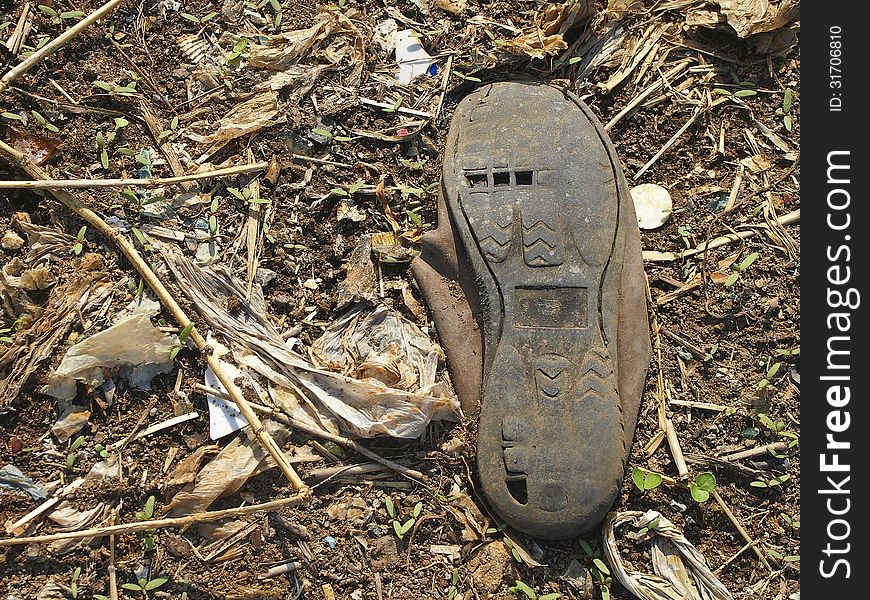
x=774 y=447
x=58 y=184
x=56 y=44
x=203 y=517
x=168 y=301
x=676 y=449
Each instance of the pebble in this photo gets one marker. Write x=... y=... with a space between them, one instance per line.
x=653 y=205
x=677 y=506
x=11 y=241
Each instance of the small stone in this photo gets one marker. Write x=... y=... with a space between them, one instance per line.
x=11 y=241
x=653 y=205
x=490 y=566
x=454 y=7
x=265 y=276
x=310 y=284
x=384 y=552
x=677 y=506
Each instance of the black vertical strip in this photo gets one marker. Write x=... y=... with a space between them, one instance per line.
x=834 y=300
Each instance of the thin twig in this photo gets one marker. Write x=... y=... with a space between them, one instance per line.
x=676 y=449
x=670 y=142
x=649 y=91
x=203 y=517
x=170 y=304
x=56 y=44
x=740 y=528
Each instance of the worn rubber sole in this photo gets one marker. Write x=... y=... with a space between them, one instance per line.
x=538 y=202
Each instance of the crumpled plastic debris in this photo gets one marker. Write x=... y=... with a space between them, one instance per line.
x=746 y=17
x=11 y=478
x=380 y=346
x=90 y=360
x=551 y=23
x=246 y=118
x=681 y=572
x=227 y=472
x=70 y=422
x=332 y=401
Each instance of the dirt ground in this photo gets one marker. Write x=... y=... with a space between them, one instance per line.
x=723 y=135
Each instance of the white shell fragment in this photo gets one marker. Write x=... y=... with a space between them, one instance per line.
x=653 y=205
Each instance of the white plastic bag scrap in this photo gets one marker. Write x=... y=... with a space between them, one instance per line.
x=378 y=348
x=89 y=360
x=380 y=345
x=681 y=572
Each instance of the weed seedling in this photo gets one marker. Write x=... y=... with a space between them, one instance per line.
x=645 y=480
x=398 y=527
x=524 y=588
x=74 y=584
x=739 y=268
x=71 y=456
x=146 y=514
x=80 y=240
x=702 y=486
x=144 y=586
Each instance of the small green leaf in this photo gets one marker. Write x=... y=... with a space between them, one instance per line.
x=52 y=127
x=77 y=443
x=638 y=477
x=322 y=132
x=131 y=586
x=522 y=587
x=698 y=494
x=139 y=236
x=276 y=6
x=418 y=508
x=398 y=529
x=155 y=583
x=81 y=234
x=185 y=332
x=744 y=93
x=212 y=224
x=102 y=85
x=164 y=134
x=407 y=526
x=173 y=352
x=39 y=118
x=70 y=461
x=706 y=481
x=771 y=373
x=605 y=592
x=744 y=264
x=574 y=60
x=722 y=91
x=236 y=193
x=551 y=596
x=791 y=558
x=77 y=248
x=173 y=124
x=101 y=597
x=788 y=123
x=599 y=564
x=104 y=158
x=786 y=101
x=732 y=278
x=341 y=193
x=587 y=549
x=149 y=507
x=12 y=116
x=120 y=123
x=72 y=14
x=208 y=17
x=47 y=10
x=189 y=17
x=391 y=508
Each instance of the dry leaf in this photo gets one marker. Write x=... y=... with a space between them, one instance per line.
x=747 y=17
